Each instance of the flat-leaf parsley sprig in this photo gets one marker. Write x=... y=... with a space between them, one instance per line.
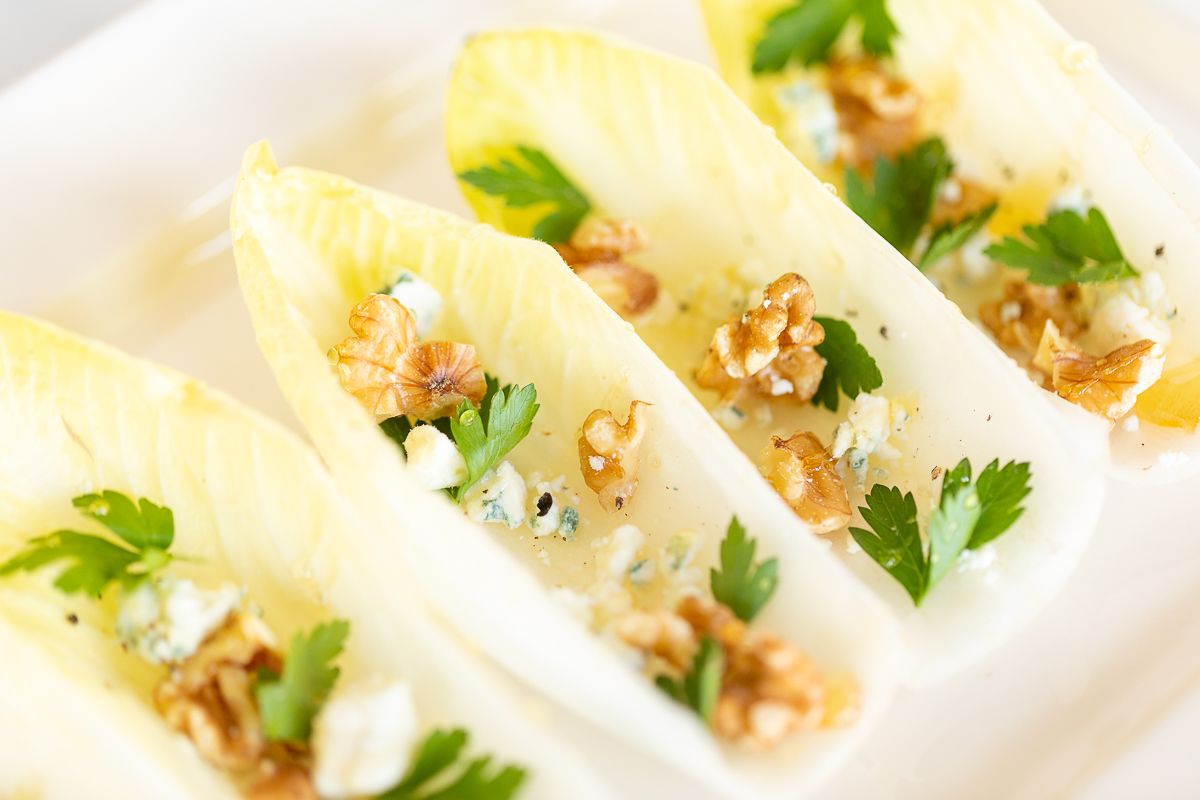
x=535 y=180
x=970 y=513
x=1067 y=248
x=741 y=583
x=806 y=32
x=146 y=532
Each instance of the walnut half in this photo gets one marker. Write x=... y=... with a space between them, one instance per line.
x=210 y=698
x=597 y=253
x=608 y=454
x=1107 y=385
x=805 y=474
x=769 y=349
x=769 y=688
x=878 y=113
x=391 y=373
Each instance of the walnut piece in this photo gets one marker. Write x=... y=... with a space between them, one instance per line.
x=597 y=252
x=878 y=113
x=391 y=373
x=769 y=349
x=288 y=782
x=1107 y=385
x=1018 y=319
x=210 y=698
x=608 y=454
x=805 y=474
x=769 y=689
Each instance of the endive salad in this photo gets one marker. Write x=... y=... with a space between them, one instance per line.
x=188 y=609
x=587 y=524
x=989 y=148
x=885 y=421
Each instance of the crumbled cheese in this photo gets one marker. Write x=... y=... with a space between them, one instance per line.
x=166 y=619
x=621 y=550
x=951 y=191
x=871 y=422
x=1010 y=311
x=976 y=560
x=577 y=604
x=1072 y=198
x=498 y=497
x=363 y=739
x=642 y=571
x=730 y=417
x=420 y=298
x=553 y=508
x=433 y=458
x=809 y=125
x=780 y=387
x=1122 y=312
x=973 y=259
x=681 y=549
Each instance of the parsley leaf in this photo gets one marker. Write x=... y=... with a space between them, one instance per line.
x=147 y=528
x=698 y=690
x=969 y=514
x=440 y=750
x=741 y=584
x=894 y=541
x=1066 y=248
x=288 y=703
x=397 y=429
x=485 y=434
x=536 y=182
x=808 y=30
x=898 y=198
x=1001 y=490
x=848 y=365
x=950 y=236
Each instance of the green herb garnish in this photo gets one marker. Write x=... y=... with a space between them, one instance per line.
x=699 y=689
x=146 y=528
x=535 y=182
x=288 y=703
x=950 y=236
x=742 y=584
x=1066 y=248
x=897 y=199
x=806 y=32
x=848 y=365
x=969 y=514
x=426 y=778
x=487 y=432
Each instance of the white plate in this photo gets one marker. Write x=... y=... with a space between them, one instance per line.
x=117 y=161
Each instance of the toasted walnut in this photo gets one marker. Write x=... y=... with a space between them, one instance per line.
x=878 y=113
x=959 y=199
x=608 y=454
x=769 y=349
x=1108 y=385
x=289 y=782
x=390 y=373
x=597 y=252
x=1018 y=319
x=805 y=474
x=210 y=698
x=770 y=689
x=662 y=634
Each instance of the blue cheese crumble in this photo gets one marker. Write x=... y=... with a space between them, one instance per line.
x=363 y=739
x=499 y=496
x=420 y=298
x=809 y=124
x=554 y=509
x=433 y=458
x=164 y=620
x=871 y=422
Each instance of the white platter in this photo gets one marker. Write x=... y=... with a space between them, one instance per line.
x=116 y=163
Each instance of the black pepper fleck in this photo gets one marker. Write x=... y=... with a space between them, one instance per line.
x=851 y=313
x=619 y=502
x=989 y=419
x=883 y=331
x=73 y=618
x=1158 y=251
x=1008 y=172
x=543 y=504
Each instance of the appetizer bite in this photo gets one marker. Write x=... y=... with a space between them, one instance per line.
x=188 y=609
x=988 y=147
x=587 y=524
x=886 y=422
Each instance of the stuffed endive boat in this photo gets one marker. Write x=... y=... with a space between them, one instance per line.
x=866 y=399
x=575 y=503
x=188 y=609
x=988 y=146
